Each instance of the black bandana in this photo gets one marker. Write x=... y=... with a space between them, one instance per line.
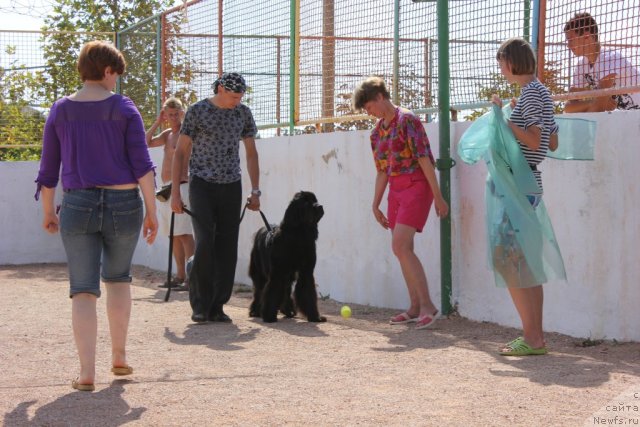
x=231 y=81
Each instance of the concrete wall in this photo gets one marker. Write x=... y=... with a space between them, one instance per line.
x=594 y=207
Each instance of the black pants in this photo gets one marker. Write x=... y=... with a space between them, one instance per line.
x=216 y=208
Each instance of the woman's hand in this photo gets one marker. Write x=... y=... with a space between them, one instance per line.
x=441 y=206
x=50 y=220
x=253 y=202
x=176 y=200
x=496 y=100
x=150 y=227
x=162 y=117
x=50 y=223
x=382 y=220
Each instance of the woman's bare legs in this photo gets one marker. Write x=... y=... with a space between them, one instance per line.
x=528 y=302
x=183 y=249
x=85 y=329
x=118 y=313
x=412 y=270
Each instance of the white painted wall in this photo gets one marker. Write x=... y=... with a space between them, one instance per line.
x=594 y=207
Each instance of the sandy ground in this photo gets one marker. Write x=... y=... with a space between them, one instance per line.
x=346 y=372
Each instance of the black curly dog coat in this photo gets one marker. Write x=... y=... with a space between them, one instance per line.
x=284 y=255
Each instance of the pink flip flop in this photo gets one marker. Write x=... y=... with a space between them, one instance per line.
x=426 y=320
x=402 y=318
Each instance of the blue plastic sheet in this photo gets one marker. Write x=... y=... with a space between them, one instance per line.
x=577 y=139
x=522 y=247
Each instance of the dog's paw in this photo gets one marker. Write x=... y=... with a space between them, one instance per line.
x=318 y=319
x=269 y=319
x=253 y=313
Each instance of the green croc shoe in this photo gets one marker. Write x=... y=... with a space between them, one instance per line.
x=519 y=347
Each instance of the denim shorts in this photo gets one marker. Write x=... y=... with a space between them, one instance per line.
x=99 y=228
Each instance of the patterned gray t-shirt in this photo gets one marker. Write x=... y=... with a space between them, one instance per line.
x=215 y=134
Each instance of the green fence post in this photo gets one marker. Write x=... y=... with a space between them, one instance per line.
x=158 y=64
x=293 y=49
x=444 y=162
x=395 y=84
x=526 y=30
x=119 y=47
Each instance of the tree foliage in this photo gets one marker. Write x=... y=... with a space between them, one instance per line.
x=413 y=94
x=505 y=90
x=99 y=16
x=182 y=68
x=25 y=93
x=20 y=122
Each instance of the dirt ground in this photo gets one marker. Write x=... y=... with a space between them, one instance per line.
x=358 y=371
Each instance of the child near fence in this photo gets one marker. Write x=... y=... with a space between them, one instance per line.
x=519 y=267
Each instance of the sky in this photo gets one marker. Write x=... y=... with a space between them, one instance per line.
x=23 y=14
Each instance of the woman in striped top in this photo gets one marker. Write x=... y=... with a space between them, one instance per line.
x=535 y=130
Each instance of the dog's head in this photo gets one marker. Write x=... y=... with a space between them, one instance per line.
x=303 y=211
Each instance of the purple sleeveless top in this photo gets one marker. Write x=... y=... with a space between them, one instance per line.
x=98 y=143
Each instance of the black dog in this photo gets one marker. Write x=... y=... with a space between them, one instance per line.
x=284 y=255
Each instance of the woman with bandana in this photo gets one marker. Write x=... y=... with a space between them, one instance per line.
x=211 y=132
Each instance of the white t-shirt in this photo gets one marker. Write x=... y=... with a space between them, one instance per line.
x=609 y=62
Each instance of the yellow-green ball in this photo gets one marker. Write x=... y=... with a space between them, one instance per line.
x=345 y=311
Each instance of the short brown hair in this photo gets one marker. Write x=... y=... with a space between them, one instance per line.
x=367 y=90
x=173 y=102
x=96 y=56
x=519 y=54
x=582 y=22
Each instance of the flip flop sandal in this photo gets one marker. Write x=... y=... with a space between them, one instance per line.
x=402 y=318
x=175 y=282
x=123 y=370
x=82 y=387
x=426 y=320
x=519 y=347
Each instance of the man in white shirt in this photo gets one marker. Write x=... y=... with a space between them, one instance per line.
x=598 y=68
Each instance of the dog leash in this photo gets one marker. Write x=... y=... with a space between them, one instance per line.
x=264 y=218
x=192 y=215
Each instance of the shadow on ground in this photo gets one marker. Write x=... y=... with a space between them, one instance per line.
x=79 y=408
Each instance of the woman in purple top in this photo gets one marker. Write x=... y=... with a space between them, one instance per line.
x=403 y=160
x=98 y=138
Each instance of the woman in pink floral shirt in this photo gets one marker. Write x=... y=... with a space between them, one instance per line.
x=403 y=160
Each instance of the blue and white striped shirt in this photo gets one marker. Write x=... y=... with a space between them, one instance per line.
x=535 y=108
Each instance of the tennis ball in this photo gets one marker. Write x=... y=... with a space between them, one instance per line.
x=345 y=311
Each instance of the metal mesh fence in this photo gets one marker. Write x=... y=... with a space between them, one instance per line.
x=196 y=42
x=190 y=51
x=141 y=80
x=337 y=47
x=22 y=70
x=302 y=59
x=36 y=68
x=477 y=28
x=257 y=45
x=418 y=56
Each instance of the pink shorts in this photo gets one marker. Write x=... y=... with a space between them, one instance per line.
x=409 y=200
